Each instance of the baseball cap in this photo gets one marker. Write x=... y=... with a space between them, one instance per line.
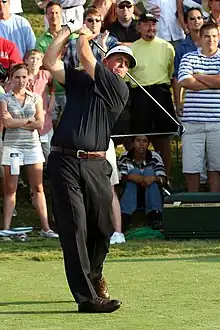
x=147 y=17
x=120 y=1
x=124 y=50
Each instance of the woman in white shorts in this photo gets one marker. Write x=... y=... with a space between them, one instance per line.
x=22 y=113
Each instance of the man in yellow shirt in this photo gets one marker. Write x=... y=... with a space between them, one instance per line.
x=154 y=72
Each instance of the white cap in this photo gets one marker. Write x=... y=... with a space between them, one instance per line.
x=120 y=1
x=124 y=50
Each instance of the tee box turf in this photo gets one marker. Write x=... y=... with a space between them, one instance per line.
x=192 y=215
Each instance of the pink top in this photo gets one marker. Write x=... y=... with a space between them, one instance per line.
x=39 y=86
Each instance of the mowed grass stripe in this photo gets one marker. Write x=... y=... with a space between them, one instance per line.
x=164 y=294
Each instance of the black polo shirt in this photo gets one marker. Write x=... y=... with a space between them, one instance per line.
x=91 y=110
x=124 y=34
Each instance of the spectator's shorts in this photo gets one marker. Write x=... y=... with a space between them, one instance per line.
x=26 y=156
x=199 y=142
x=111 y=158
x=146 y=115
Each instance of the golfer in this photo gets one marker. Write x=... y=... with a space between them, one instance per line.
x=78 y=169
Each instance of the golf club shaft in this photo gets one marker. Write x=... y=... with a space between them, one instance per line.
x=144 y=90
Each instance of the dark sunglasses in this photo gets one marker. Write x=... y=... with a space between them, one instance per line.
x=194 y=18
x=91 y=20
x=125 y=6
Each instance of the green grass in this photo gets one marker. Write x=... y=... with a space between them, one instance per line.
x=157 y=294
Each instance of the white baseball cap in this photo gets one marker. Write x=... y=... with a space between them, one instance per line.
x=120 y=1
x=124 y=50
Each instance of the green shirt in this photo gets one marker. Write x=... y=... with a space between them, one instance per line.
x=42 y=44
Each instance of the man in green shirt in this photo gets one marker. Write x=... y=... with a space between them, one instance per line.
x=54 y=16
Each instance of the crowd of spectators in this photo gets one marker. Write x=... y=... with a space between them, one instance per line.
x=175 y=43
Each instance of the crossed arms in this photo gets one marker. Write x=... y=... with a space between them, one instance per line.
x=201 y=81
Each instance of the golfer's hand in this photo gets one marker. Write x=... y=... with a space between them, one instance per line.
x=86 y=32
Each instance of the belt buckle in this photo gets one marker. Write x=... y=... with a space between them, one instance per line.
x=85 y=154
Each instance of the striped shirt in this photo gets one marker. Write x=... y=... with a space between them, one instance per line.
x=126 y=163
x=19 y=137
x=203 y=105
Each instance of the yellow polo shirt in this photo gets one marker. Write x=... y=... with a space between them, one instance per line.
x=155 y=62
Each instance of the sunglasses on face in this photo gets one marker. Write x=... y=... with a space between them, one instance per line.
x=194 y=18
x=123 y=6
x=91 y=20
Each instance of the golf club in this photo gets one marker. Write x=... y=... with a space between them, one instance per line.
x=181 y=128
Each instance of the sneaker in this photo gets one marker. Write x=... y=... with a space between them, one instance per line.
x=117 y=238
x=48 y=234
x=21 y=237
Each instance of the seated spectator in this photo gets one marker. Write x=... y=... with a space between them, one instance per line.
x=22 y=113
x=71 y=10
x=16 y=28
x=124 y=28
x=142 y=171
x=199 y=75
x=92 y=19
x=41 y=82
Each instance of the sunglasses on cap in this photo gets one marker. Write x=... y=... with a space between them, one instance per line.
x=91 y=20
x=123 y=6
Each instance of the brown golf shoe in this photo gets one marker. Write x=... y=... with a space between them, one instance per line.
x=99 y=305
x=101 y=288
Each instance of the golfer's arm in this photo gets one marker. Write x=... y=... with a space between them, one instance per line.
x=86 y=56
x=52 y=59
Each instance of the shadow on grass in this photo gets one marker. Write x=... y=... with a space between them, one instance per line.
x=7 y=303
x=18 y=303
x=37 y=312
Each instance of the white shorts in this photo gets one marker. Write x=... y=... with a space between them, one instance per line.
x=26 y=156
x=111 y=158
x=199 y=142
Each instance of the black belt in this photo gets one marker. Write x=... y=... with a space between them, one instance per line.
x=81 y=154
x=71 y=7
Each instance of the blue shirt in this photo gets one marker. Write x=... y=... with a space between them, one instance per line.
x=71 y=54
x=19 y=30
x=184 y=47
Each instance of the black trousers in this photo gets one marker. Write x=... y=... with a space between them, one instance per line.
x=82 y=206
